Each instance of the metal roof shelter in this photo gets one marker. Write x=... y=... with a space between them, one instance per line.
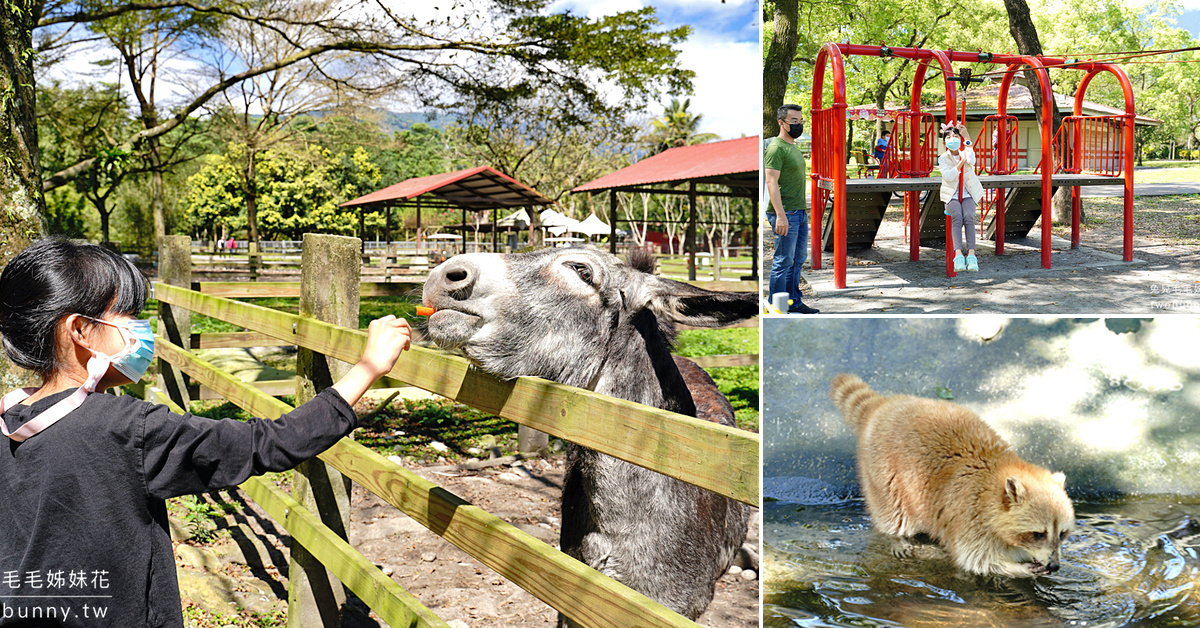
x=731 y=163
x=475 y=189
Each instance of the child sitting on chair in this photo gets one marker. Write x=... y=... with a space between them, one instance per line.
x=958 y=162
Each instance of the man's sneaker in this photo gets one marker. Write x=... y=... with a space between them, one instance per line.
x=800 y=308
x=959 y=264
x=972 y=262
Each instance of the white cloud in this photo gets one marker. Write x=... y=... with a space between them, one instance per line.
x=595 y=8
x=728 y=84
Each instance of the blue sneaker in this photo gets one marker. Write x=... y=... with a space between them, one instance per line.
x=959 y=265
x=972 y=263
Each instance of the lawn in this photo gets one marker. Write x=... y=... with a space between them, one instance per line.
x=1169 y=172
x=1171 y=218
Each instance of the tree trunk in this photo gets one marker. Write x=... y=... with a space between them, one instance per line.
x=251 y=197
x=1020 y=25
x=21 y=196
x=104 y=212
x=778 y=64
x=22 y=204
x=157 y=201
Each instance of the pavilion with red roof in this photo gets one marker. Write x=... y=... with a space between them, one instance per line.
x=731 y=163
x=475 y=189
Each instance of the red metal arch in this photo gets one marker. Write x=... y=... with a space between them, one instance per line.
x=829 y=139
x=1127 y=139
x=832 y=52
x=1047 y=149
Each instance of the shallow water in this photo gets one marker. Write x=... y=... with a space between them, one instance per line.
x=1128 y=563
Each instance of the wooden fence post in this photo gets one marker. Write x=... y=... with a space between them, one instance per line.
x=330 y=270
x=255 y=259
x=175 y=324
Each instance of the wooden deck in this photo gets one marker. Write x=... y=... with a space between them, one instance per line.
x=997 y=181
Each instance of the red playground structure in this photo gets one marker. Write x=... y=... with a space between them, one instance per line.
x=1088 y=150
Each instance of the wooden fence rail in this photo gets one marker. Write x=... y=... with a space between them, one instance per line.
x=720 y=459
x=557 y=579
x=714 y=457
x=382 y=594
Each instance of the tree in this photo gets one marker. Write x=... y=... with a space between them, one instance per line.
x=84 y=122
x=777 y=65
x=606 y=66
x=300 y=189
x=271 y=108
x=676 y=127
x=146 y=41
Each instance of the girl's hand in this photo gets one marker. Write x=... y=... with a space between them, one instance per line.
x=387 y=337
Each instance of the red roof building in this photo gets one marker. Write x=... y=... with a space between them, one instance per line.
x=730 y=163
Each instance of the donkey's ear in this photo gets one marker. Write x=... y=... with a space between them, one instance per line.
x=685 y=304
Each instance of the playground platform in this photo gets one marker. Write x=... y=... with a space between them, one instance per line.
x=868 y=199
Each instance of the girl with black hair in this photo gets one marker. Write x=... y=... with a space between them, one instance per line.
x=83 y=476
x=958 y=162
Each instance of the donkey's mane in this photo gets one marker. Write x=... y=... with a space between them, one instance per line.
x=641 y=259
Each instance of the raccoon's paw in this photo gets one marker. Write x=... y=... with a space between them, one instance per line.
x=903 y=548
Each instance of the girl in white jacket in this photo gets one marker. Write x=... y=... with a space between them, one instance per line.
x=959 y=161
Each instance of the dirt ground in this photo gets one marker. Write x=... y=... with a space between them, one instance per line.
x=455 y=586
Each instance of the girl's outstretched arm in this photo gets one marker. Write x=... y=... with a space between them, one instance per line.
x=387 y=337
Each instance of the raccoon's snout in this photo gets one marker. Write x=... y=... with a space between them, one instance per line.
x=1038 y=569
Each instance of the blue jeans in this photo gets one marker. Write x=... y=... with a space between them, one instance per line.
x=790 y=252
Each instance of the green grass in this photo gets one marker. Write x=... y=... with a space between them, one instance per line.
x=195 y=617
x=1169 y=174
x=698 y=342
x=738 y=383
x=409 y=428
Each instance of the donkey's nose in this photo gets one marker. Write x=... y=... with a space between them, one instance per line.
x=458 y=275
x=455 y=278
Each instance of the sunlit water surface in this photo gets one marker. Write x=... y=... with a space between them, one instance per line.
x=1128 y=563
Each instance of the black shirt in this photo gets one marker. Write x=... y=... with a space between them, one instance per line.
x=83 y=522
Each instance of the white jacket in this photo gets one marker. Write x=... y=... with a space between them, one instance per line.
x=971 y=185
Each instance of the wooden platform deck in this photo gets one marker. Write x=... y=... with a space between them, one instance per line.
x=997 y=181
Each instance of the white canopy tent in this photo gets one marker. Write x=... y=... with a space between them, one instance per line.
x=592 y=226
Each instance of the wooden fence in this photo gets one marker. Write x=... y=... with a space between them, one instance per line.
x=378 y=266
x=720 y=459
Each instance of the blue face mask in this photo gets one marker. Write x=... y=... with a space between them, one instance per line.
x=134 y=360
x=953 y=143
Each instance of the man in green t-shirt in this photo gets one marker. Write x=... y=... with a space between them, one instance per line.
x=783 y=165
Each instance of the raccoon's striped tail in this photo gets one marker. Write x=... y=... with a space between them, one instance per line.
x=855 y=399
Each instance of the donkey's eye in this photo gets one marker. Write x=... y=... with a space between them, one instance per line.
x=581 y=269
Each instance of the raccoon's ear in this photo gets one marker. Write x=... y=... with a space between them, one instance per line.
x=1060 y=478
x=1014 y=492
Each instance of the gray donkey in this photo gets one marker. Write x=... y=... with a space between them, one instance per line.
x=583 y=317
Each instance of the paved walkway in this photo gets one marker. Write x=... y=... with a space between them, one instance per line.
x=1161 y=278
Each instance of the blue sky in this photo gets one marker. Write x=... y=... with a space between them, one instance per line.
x=723 y=51
x=1190 y=20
